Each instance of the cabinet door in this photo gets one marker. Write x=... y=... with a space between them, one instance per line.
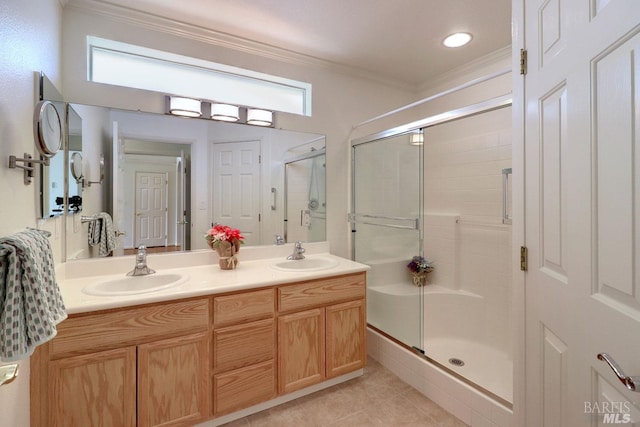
x=173 y=379
x=346 y=349
x=97 y=389
x=301 y=350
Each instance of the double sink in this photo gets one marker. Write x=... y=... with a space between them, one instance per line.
x=134 y=285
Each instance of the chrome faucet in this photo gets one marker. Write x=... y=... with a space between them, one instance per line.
x=141 y=268
x=279 y=240
x=298 y=250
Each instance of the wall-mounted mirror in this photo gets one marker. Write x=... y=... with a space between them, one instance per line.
x=194 y=172
x=51 y=182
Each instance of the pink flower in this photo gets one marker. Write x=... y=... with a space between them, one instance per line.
x=219 y=233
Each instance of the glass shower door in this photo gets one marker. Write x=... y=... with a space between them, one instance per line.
x=386 y=231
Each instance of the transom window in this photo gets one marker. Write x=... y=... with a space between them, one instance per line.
x=138 y=67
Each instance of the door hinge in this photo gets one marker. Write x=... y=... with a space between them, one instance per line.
x=523 y=61
x=524 y=258
x=259 y=158
x=259 y=217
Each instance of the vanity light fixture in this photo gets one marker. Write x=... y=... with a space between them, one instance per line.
x=258 y=117
x=225 y=112
x=457 y=39
x=185 y=107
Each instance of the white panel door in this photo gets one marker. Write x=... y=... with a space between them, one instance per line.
x=151 y=209
x=235 y=189
x=582 y=204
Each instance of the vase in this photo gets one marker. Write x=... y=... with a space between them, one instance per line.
x=227 y=253
x=419 y=278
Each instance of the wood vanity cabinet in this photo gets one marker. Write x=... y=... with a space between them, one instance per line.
x=183 y=362
x=321 y=330
x=144 y=366
x=244 y=350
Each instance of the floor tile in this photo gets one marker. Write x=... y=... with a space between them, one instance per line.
x=378 y=398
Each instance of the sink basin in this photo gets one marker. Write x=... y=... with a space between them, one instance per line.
x=307 y=264
x=133 y=285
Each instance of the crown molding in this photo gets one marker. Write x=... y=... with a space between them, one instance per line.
x=463 y=72
x=205 y=35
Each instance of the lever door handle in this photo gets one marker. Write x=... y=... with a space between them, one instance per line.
x=632 y=383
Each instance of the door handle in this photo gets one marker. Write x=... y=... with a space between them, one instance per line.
x=632 y=383
x=183 y=222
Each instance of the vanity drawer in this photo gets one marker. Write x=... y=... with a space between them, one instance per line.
x=321 y=292
x=243 y=345
x=128 y=326
x=243 y=387
x=243 y=307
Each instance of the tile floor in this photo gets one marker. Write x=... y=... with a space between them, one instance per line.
x=378 y=398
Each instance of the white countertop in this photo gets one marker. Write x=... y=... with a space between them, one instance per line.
x=204 y=275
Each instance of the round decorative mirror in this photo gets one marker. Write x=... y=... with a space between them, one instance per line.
x=47 y=128
x=76 y=166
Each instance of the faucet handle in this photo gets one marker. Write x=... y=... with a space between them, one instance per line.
x=299 y=244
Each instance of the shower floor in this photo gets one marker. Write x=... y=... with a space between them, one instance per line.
x=485 y=366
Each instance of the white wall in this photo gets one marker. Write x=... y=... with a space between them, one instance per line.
x=29 y=42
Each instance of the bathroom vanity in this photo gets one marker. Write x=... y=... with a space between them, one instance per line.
x=218 y=343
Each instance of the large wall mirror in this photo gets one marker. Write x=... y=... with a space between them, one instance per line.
x=169 y=179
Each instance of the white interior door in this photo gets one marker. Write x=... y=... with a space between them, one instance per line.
x=582 y=204
x=151 y=209
x=235 y=189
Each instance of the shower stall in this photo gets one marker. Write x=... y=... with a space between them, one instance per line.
x=440 y=188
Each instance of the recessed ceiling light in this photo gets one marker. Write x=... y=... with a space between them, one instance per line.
x=457 y=40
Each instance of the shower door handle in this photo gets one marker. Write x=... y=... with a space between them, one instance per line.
x=506 y=215
x=631 y=383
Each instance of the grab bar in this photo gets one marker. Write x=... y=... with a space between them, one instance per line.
x=273 y=198
x=404 y=227
x=506 y=215
x=84 y=218
x=353 y=218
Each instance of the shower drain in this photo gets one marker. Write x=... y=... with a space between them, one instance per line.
x=456 y=362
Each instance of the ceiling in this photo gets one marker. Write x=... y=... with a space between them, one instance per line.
x=395 y=40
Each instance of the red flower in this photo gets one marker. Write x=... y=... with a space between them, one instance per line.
x=219 y=233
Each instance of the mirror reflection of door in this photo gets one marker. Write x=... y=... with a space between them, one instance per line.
x=151 y=209
x=235 y=189
x=155 y=208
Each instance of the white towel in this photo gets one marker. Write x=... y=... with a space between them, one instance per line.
x=101 y=234
x=31 y=304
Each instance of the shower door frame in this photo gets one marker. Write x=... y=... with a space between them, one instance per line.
x=482 y=107
x=449 y=116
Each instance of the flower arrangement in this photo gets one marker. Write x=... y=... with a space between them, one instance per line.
x=226 y=241
x=223 y=233
x=419 y=268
